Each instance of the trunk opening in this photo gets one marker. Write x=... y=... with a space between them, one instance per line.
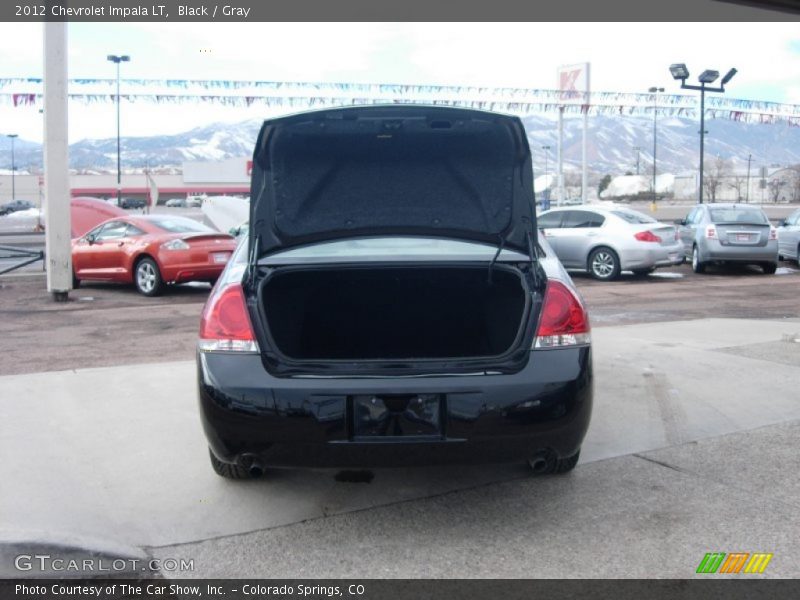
x=391 y=313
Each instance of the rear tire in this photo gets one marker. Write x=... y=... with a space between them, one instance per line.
x=228 y=470
x=147 y=277
x=698 y=266
x=76 y=283
x=769 y=268
x=604 y=264
x=550 y=465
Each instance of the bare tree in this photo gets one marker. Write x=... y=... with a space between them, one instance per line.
x=715 y=172
x=572 y=184
x=775 y=185
x=738 y=183
x=794 y=183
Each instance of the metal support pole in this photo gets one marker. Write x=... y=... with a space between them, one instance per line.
x=13 y=136
x=56 y=162
x=119 y=168
x=655 y=144
x=584 y=176
x=560 y=155
x=747 y=190
x=702 y=139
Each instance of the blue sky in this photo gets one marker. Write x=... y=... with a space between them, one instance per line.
x=627 y=57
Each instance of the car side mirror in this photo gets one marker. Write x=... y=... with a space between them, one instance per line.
x=91 y=238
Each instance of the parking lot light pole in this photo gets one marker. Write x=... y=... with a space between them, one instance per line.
x=638 y=155
x=655 y=91
x=12 y=137
x=546 y=178
x=680 y=72
x=747 y=189
x=116 y=60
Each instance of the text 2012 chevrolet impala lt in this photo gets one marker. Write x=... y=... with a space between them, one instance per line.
x=391 y=304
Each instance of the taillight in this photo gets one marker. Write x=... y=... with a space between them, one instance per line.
x=711 y=232
x=647 y=236
x=677 y=235
x=563 y=321
x=225 y=325
x=773 y=233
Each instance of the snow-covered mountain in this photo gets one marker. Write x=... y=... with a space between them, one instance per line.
x=610 y=148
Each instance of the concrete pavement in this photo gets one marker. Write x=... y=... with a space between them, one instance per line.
x=118 y=454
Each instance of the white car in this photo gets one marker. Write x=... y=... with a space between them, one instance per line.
x=606 y=241
x=789 y=237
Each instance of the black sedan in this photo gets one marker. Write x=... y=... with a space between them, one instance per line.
x=391 y=304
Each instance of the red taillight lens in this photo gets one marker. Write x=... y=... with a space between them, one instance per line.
x=647 y=236
x=563 y=321
x=711 y=232
x=773 y=233
x=225 y=325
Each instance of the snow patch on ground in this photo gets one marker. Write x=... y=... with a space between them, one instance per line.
x=667 y=275
x=25 y=214
x=785 y=271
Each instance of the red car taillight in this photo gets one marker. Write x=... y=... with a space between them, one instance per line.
x=773 y=233
x=711 y=232
x=647 y=236
x=225 y=325
x=563 y=321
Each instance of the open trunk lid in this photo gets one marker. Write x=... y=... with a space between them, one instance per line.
x=392 y=170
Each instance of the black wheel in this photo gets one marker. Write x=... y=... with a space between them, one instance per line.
x=76 y=283
x=698 y=266
x=147 y=277
x=228 y=470
x=604 y=264
x=642 y=272
x=549 y=464
x=769 y=268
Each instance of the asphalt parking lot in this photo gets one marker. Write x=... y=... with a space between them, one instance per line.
x=692 y=447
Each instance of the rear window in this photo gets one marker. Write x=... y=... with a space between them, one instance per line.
x=751 y=216
x=181 y=225
x=631 y=216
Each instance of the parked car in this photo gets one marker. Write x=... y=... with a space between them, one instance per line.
x=132 y=203
x=14 y=206
x=151 y=252
x=176 y=203
x=195 y=201
x=606 y=241
x=729 y=233
x=390 y=305
x=789 y=237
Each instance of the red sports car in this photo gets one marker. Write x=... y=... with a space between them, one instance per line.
x=151 y=251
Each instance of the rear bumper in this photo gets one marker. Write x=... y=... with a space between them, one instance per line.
x=714 y=251
x=310 y=421
x=191 y=272
x=652 y=256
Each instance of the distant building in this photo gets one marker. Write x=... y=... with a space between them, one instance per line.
x=231 y=176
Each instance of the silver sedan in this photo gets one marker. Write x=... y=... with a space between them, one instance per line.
x=729 y=233
x=789 y=237
x=605 y=241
